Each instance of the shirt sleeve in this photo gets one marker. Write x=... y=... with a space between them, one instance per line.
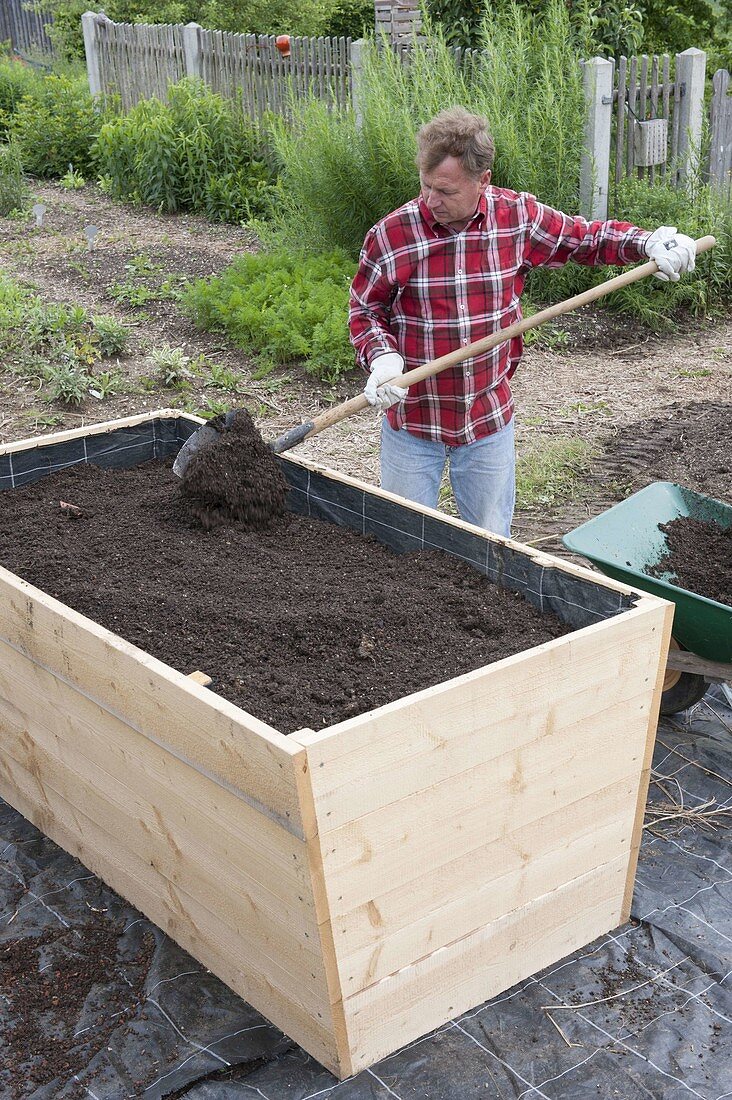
x=372 y=293
x=553 y=239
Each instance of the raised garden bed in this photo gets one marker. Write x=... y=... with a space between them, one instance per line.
x=365 y=882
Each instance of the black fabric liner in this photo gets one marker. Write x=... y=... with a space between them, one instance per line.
x=665 y=1032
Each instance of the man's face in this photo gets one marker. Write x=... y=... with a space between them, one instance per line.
x=450 y=193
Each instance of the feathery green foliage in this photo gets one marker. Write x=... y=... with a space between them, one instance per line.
x=283 y=306
x=195 y=152
x=16 y=80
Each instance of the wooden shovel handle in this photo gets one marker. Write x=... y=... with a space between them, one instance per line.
x=632 y=275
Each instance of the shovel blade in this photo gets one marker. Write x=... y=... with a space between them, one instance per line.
x=203 y=437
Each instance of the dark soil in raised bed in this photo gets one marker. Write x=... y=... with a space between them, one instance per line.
x=304 y=624
x=699 y=557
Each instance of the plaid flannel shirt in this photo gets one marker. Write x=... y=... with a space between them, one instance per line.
x=424 y=289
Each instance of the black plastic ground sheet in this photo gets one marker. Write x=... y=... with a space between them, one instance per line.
x=645 y=1011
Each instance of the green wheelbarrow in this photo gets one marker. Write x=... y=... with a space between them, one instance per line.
x=624 y=542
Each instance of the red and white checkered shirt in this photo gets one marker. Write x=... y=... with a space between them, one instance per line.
x=424 y=289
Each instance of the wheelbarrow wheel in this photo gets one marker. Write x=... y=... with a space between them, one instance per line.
x=681 y=689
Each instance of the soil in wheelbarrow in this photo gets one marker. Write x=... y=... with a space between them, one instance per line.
x=302 y=624
x=699 y=558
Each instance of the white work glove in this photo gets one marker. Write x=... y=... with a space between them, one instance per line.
x=673 y=252
x=383 y=369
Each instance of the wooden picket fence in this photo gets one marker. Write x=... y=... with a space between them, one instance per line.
x=137 y=61
x=25 y=30
x=720 y=143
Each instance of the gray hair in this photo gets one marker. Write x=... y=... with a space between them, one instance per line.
x=455 y=132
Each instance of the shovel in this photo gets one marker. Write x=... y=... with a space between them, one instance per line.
x=209 y=434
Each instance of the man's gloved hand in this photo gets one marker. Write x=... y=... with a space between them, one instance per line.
x=383 y=369
x=673 y=252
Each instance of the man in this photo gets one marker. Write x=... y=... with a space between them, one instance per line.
x=447 y=269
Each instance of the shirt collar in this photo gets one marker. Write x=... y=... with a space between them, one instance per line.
x=477 y=219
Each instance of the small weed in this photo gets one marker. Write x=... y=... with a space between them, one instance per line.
x=213 y=407
x=583 y=407
x=553 y=339
x=111 y=334
x=534 y=421
x=107 y=384
x=148 y=384
x=223 y=378
x=44 y=420
x=67 y=384
x=172 y=366
x=701 y=372
x=72 y=180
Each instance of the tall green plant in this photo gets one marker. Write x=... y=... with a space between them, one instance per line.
x=56 y=124
x=338 y=177
x=195 y=152
x=13 y=192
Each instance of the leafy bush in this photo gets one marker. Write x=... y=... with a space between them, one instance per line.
x=112 y=336
x=197 y=152
x=13 y=192
x=16 y=80
x=56 y=124
x=282 y=306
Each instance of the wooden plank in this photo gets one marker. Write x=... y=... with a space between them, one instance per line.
x=187 y=923
x=642 y=98
x=272 y=857
x=620 y=125
x=103 y=428
x=325 y=924
x=665 y=109
x=83 y=797
x=645 y=774
x=398 y=904
x=436 y=989
x=522 y=865
x=423 y=739
x=164 y=704
x=654 y=107
x=404 y=841
x=632 y=112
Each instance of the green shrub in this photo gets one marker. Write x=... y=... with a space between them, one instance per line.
x=56 y=125
x=195 y=152
x=16 y=80
x=283 y=307
x=13 y=191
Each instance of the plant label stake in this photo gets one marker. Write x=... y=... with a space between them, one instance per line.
x=39 y=210
x=90 y=232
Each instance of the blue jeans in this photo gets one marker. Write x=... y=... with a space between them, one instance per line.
x=482 y=474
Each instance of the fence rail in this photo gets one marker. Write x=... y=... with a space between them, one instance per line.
x=25 y=29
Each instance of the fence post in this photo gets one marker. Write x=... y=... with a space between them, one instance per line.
x=690 y=71
x=597 y=76
x=356 y=66
x=192 y=49
x=90 y=23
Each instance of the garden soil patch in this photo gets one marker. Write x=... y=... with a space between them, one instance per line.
x=303 y=624
x=699 y=557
